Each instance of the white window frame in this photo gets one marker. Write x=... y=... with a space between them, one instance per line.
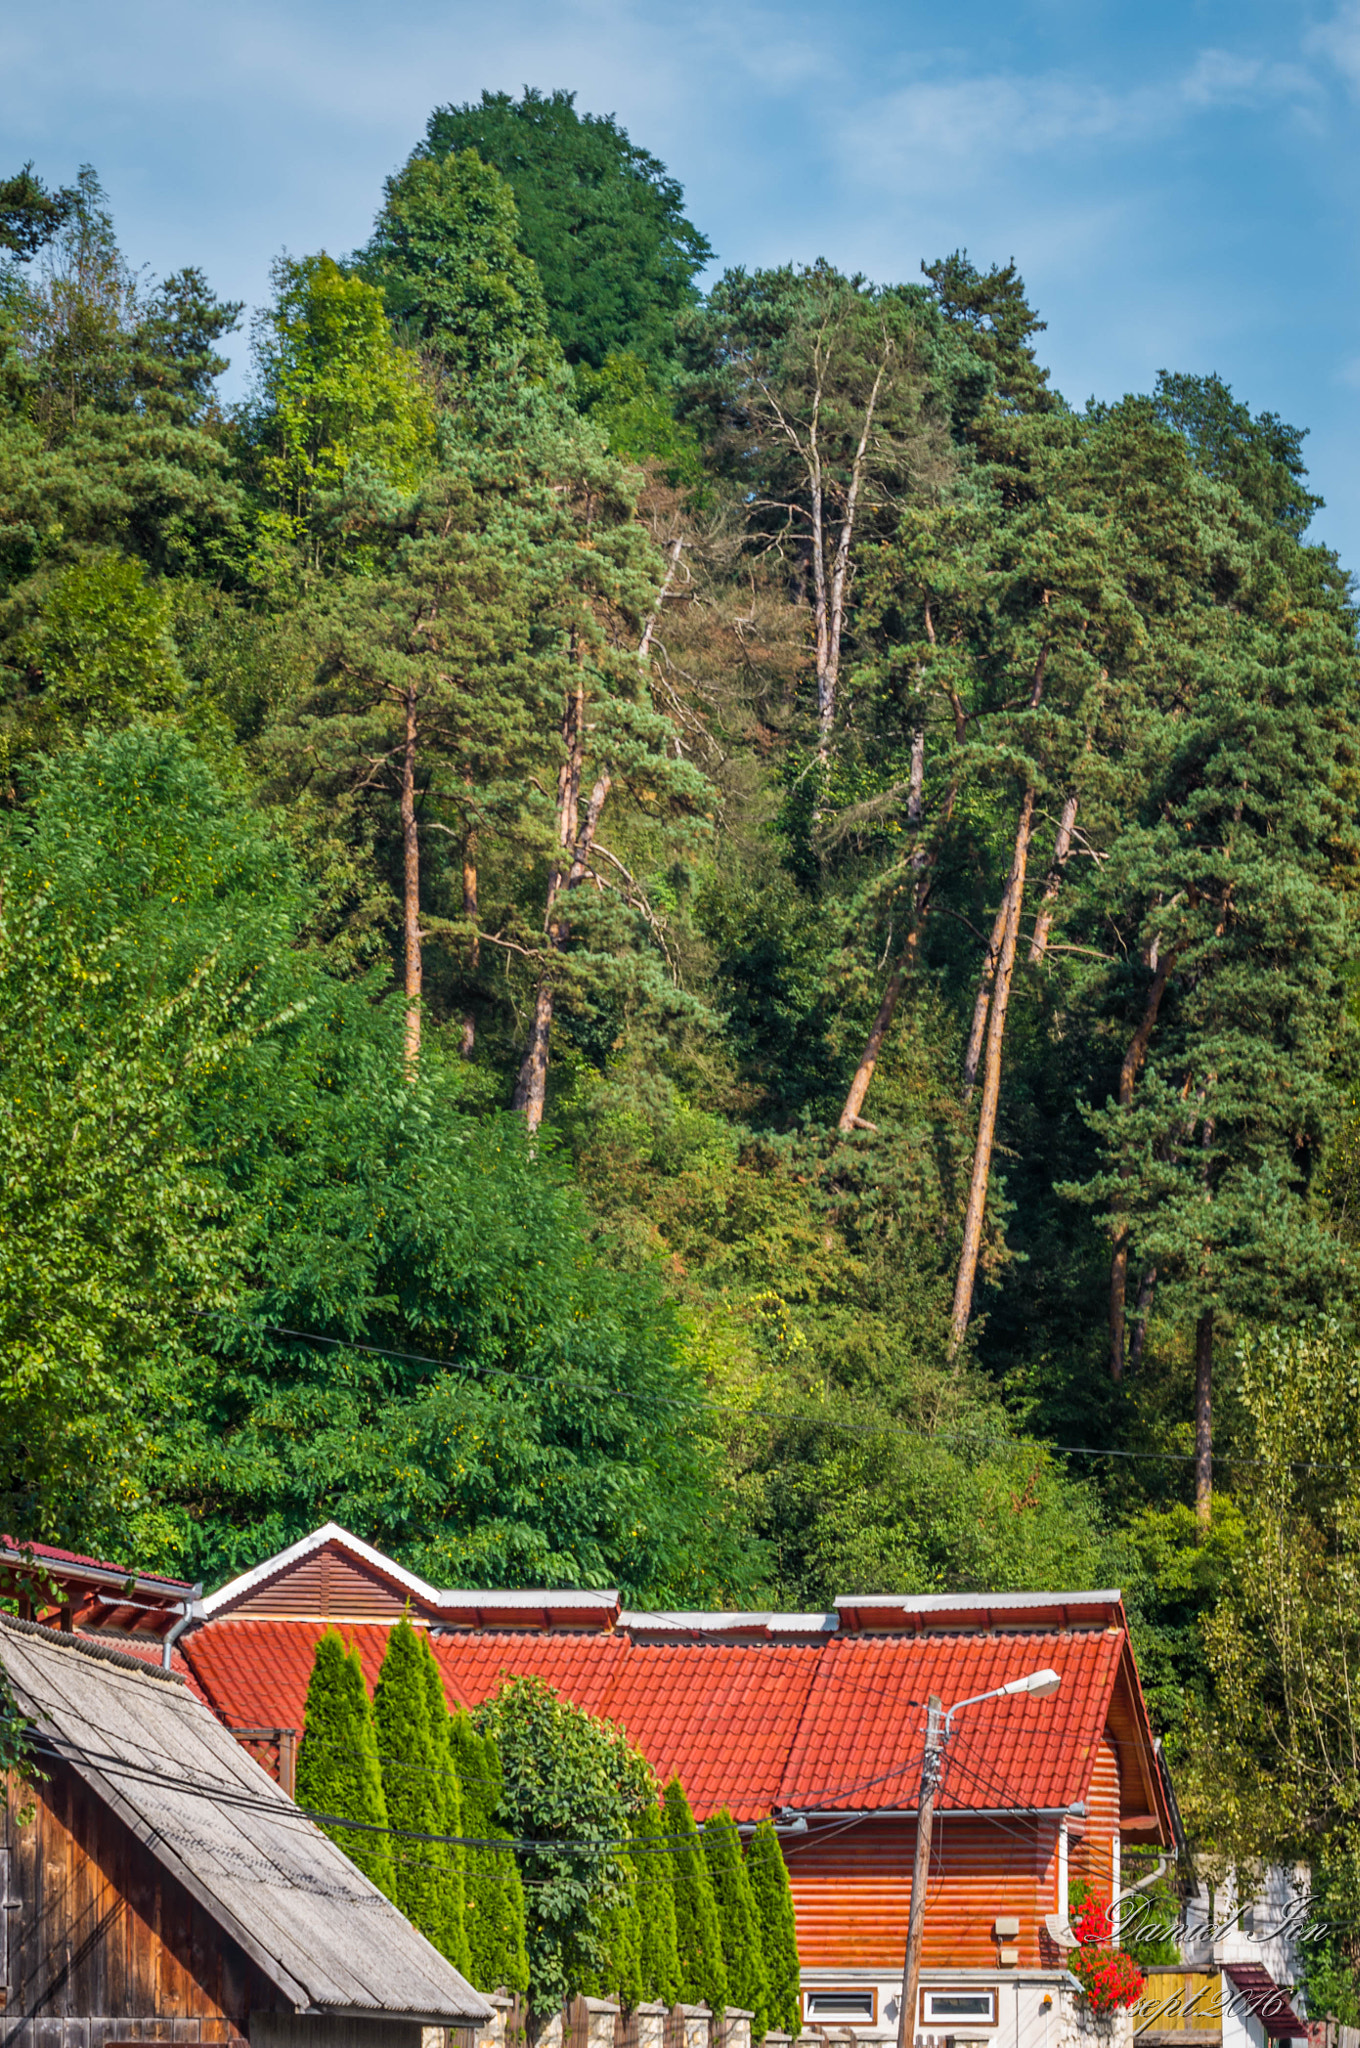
x=812 y=1992
x=961 y=2022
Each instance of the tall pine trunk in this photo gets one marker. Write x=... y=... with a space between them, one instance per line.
x=991 y=1086
x=468 y=1042
x=531 y=1085
x=575 y=843
x=850 y=1117
x=410 y=848
x=1204 y=1430
x=1062 y=846
x=1128 y=1075
x=830 y=578
x=1012 y=903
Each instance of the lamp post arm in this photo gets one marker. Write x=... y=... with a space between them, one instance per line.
x=958 y=1706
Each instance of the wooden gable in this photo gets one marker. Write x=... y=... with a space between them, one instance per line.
x=329 y=1584
x=100 y=1942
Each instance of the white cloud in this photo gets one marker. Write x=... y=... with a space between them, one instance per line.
x=1337 y=42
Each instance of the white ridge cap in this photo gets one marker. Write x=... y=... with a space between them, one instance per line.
x=959 y=1603
x=724 y=1621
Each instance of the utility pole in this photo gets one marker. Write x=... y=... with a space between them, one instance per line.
x=925 y=1819
x=1038 y=1685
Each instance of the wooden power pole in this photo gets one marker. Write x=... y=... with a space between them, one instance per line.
x=925 y=1820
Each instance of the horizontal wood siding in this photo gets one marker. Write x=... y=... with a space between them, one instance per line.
x=327 y=1586
x=1092 y=1856
x=102 y=1932
x=852 y=1891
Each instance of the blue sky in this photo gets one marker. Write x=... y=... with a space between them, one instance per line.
x=1178 y=182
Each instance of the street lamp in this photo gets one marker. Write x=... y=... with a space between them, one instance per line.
x=1039 y=1685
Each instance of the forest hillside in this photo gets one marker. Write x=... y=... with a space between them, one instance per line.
x=697 y=939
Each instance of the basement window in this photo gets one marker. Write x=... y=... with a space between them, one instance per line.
x=947 y=2008
x=858 y=2008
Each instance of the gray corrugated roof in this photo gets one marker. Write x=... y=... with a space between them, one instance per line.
x=207 y=1811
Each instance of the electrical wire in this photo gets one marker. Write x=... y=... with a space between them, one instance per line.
x=888 y=1427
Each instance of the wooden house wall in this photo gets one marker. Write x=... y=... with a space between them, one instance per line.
x=852 y=1891
x=326 y=1586
x=101 y=1944
x=1092 y=1856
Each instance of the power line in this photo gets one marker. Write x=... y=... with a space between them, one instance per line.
x=888 y=1427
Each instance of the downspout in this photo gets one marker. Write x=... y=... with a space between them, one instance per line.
x=193 y=1611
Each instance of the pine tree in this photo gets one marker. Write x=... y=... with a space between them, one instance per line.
x=738 y=1923
x=452 y=1939
x=410 y=1777
x=703 y=1973
x=659 y=1960
x=337 y=1767
x=769 y=1883
x=494 y=1907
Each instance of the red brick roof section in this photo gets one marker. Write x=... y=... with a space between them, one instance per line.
x=752 y=1725
x=860 y=1741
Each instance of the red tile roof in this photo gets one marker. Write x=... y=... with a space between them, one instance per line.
x=860 y=1740
x=755 y=1726
x=20 y=1551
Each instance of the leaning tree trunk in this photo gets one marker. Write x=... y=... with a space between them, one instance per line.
x=531 y=1085
x=410 y=847
x=468 y=1042
x=1062 y=846
x=1204 y=1431
x=991 y=1088
x=850 y=1118
x=1128 y=1075
x=982 y=1002
x=1043 y=925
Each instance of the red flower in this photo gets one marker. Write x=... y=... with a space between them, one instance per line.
x=1107 y=1976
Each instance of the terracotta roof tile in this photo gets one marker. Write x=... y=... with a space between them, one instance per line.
x=860 y=1742
x=826 y=1727
x=20 y=1550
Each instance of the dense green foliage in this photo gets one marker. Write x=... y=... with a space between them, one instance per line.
x=700 y=942
x=738 y=1921
x=572 y=1780
x=494 y=1906
x=338 y=1768
x=698 y=1930
x=773 y=1901
x=599 y=218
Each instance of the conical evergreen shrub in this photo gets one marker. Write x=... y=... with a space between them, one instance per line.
x=620 y=1974
x=738 y=1922
x=337 y=1765
x=411 y=1781
x=658 y=1959
x=452 y=1939
x=698 y=1938
x=769 y=1881
x=494 y=1892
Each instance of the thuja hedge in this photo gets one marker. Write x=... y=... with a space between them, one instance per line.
x=602 y=1884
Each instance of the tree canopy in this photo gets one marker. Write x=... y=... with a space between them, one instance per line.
x=600 y=219
x=684 y=934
